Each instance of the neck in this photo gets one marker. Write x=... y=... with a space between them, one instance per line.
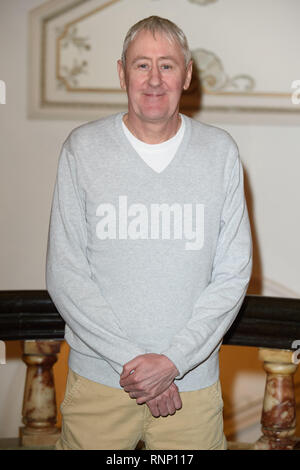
x=153 y=132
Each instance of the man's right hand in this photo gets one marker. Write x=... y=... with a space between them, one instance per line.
x=166 y=403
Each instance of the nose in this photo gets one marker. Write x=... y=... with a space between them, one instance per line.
x=155 y=76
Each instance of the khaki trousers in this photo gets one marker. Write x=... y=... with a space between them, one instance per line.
x=96 y=417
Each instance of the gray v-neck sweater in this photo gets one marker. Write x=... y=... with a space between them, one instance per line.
x=145 y=262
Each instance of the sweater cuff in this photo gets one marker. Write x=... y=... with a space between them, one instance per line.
x=178 y=359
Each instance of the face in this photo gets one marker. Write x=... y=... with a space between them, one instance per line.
x=154 y=78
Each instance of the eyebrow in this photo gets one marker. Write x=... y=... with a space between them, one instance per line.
x=168 y=57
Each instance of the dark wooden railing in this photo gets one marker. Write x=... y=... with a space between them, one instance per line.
x=270 y=323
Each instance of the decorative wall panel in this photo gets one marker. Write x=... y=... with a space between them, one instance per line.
x=246 y=54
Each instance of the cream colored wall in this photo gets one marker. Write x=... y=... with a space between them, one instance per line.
x=29 y=155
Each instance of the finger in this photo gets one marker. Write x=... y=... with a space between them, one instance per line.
x=177 y=400
x=143 y=399
x=147 y=395
x=142 y=386
x=169 y=401
x=127 y=374
x=132 y=387
x=171 y=406
x=135 y=394
x=152 y=405
x=136 y=386
x=129 y=367
x=128 y=378
x=162 y=406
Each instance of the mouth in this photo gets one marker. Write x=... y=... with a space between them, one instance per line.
x=154 y=95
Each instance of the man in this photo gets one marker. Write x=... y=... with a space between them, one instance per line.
x=149 y=258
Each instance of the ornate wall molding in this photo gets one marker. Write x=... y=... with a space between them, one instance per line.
x=213 y=76
x=74 y=46
x=202 y=2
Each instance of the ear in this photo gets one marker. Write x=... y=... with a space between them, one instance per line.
x=188 y=77
x=121 y=73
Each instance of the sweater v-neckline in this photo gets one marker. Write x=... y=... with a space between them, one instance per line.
x=125 y=144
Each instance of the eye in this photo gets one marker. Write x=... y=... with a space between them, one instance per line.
x=142 y=66
x=166 y=67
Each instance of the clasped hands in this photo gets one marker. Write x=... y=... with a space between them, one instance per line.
x=149 y=378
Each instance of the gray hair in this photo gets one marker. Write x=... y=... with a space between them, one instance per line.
x=156 y=24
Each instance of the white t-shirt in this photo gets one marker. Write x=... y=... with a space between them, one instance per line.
x=157 y=156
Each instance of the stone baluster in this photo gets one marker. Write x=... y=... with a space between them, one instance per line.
x=279 y=408
x=39 y=404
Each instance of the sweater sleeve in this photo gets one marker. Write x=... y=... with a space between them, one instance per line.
x=217 y=306
x=68 y=276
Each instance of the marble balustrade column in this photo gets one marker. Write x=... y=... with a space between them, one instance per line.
x=279 y=408
x=39 y=403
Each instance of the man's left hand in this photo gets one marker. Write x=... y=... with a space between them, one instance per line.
x=147 y=376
